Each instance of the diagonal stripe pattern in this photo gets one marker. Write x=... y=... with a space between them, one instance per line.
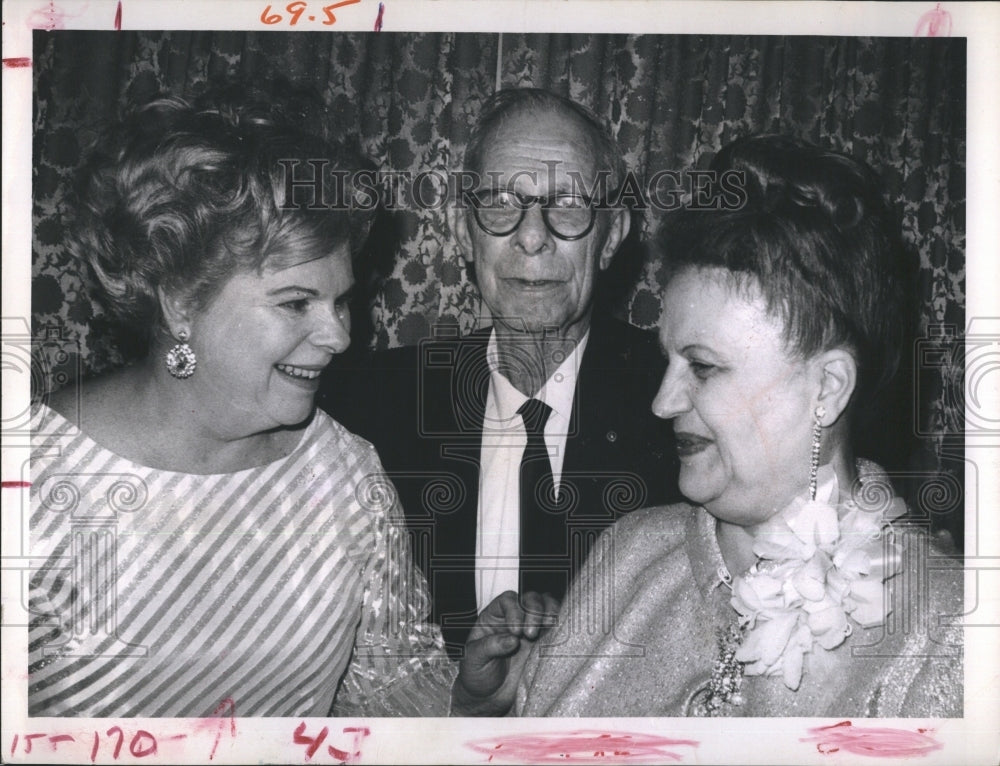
x=286 y=587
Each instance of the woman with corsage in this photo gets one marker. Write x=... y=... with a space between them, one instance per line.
x=208 y=542
x=792 y=584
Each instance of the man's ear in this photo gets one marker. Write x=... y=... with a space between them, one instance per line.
x=617 y=231
x=838 y=373
x=176 y=310
x=458 y=222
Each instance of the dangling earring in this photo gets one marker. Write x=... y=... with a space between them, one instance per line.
x=817 y=436
x=181 y=360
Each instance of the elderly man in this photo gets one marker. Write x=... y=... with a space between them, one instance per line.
x=512 y=447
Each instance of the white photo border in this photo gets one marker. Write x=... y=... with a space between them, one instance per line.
x=972 y=739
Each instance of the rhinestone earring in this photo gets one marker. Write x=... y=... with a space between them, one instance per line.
x=817 y=437
x=181 y=360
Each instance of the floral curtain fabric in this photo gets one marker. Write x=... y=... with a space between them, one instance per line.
x=411 y=99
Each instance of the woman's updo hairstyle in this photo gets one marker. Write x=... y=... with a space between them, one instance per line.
x=814 y=237
x=182 y=196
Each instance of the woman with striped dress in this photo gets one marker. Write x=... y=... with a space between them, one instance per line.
x=204 y=538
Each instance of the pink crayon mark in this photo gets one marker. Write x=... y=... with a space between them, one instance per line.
x=48 y=18
x=118 y=17
x=378 y=19
x=226 y=705
x=15 y=63
x=581 y=746
x=936 y=23
x=16 y=484
x=880 y=742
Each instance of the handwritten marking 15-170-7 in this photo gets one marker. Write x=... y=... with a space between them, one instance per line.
x=183 y=743
x=140 y=745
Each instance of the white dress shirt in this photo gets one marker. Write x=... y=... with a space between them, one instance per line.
x=503 y=443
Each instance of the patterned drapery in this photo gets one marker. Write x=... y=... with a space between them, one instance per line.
x=897 y=103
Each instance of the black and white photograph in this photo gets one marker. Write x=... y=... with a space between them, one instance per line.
x=390 y=394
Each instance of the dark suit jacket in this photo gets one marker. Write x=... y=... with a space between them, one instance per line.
x=422 y=407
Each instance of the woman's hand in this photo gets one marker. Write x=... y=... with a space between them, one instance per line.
x=496 y=651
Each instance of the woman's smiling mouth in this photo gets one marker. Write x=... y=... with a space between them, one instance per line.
x=299 y=373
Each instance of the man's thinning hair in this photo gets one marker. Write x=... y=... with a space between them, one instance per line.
x=506 y=104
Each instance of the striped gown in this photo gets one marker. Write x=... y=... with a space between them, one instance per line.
x=285 y=589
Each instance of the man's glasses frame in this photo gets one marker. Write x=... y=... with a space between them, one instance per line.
x=526 y=201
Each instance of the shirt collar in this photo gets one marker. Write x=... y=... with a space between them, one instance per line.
x=558 y=391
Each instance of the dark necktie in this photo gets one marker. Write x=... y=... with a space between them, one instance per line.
x=544 y=549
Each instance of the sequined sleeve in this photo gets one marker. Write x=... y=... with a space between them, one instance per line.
x=399 y=666
x=936 y=690
x=921 y=673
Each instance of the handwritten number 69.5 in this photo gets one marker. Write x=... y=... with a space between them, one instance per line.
x=296 y=10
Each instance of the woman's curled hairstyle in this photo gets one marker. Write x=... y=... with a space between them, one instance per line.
x=816 y=239
x=182 y=196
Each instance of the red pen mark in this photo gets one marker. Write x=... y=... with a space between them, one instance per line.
x=936 y=23
x=121 y=739
x=14 y=63
x=118 y=17
x=313 y=743
x=225 y=705
x=27 y=741
x=93 y=750
x=888 y=743
x=13 y=745
x=55 y=739
x=138 y=749
x=378 y=19
x=15 y=484
x=589 y=746
x=359 y=732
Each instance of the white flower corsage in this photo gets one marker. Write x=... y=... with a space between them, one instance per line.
x=819 y=564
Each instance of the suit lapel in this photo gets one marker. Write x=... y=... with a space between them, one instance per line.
x=460 y=449
x=590 y=446
x=460 y=399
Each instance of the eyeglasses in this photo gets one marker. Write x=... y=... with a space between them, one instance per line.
x=499 y=212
